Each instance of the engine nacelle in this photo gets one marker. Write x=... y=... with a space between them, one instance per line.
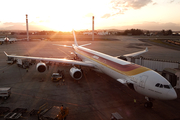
x=41 y=67
x=76 y=73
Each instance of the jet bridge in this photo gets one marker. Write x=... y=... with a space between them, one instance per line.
x=154 y=64
x=173 y=76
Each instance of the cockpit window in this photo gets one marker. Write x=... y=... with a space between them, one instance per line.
x=168 y=86
x=163 y=86
x=157 y=85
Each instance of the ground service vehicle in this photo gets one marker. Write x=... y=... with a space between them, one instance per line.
x=54 y=113
x=56 y=77
x=5 y=92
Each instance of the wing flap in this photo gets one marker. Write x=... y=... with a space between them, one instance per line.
x=12 y=40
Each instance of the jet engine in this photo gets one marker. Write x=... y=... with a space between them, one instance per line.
x=76 y=73
x=41 y=67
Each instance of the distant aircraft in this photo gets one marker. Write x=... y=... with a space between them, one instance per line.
x=7 y=40
x=138 y=78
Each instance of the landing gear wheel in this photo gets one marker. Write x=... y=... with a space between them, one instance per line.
x=148 y=105
x=5 y=98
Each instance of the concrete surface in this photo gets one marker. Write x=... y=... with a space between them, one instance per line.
x=95 y=96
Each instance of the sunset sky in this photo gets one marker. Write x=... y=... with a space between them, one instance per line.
x=65 y=15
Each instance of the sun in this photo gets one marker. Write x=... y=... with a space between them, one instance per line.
x=67 y=26
x=60 y=27
x=66 y=22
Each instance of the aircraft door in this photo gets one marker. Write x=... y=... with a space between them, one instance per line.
x=142 y=81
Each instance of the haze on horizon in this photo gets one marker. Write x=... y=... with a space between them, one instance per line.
x=66 y=15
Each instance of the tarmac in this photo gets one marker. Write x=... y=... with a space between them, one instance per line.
x=95 y=96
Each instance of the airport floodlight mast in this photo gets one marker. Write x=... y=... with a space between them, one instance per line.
x=92 y=27
x=27 y=27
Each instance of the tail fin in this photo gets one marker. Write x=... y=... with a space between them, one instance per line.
x=75 y=41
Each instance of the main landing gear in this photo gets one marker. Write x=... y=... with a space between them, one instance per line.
x=149 y=103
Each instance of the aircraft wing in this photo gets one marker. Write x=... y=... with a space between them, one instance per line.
x=136 y=53
x=1 y=39
x=12 y=39
x=72 y=62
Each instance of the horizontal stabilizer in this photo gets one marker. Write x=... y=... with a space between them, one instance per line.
x=63 y=45
x=85 y=44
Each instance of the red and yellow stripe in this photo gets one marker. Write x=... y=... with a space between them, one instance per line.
x=128 y=69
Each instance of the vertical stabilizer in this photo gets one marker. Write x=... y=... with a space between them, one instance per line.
x=75 y=41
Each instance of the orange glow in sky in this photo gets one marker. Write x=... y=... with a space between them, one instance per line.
x=65 y=15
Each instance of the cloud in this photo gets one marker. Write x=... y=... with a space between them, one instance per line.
x=171 y=1
x=106 y=15
x=135 y=4
x=120 y=6
x=20 y=26
x=89 y=15
x=10 y=25
x=154 y=3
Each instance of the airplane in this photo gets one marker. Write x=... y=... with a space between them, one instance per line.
x=138 y=78
x=6 y=40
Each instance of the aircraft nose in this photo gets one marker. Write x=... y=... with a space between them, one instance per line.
x=171 y=94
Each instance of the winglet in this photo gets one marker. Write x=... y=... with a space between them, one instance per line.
x=5 y=53
x=146 y=49
x=75 y=41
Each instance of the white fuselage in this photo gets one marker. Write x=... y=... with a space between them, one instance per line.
x=141 y=79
